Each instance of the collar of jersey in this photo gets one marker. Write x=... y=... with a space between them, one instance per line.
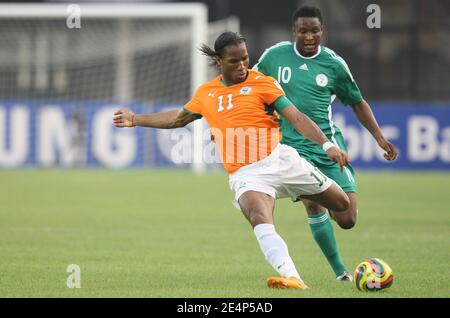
x=306 y=57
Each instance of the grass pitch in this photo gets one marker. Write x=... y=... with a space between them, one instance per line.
x=157 y=233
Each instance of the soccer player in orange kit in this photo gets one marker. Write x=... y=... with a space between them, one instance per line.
x=239 y=106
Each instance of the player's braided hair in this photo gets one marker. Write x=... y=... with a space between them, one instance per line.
x=224 y=40
x=307 y=12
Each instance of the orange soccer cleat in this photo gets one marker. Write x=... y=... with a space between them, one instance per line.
x=286 y=283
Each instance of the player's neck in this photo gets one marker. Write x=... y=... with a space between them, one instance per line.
x=228 y=82
x=306 y=54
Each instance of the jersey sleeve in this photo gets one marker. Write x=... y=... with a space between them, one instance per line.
x=281 y=103
x=345 y=86
x=271 y=90
x=194 y=106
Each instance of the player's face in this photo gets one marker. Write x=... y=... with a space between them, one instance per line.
x=307 y=32
x=234 y=64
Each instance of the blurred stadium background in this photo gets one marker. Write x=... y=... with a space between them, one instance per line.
x=59 y=86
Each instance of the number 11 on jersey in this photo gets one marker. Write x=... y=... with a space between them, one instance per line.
x=230 y=104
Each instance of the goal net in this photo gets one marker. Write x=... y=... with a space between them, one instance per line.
x=64 y=69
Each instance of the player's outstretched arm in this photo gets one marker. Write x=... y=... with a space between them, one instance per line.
x=306 y=127
x=366 y=117
x=165 y=120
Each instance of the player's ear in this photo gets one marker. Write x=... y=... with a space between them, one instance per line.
x=218 y=62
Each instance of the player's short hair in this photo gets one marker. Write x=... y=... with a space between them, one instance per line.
x=223 y=41
x=307 y=12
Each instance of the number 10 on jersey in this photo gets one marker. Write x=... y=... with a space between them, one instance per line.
x=284 y=74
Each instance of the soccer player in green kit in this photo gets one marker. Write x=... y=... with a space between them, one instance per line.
x=312 y=76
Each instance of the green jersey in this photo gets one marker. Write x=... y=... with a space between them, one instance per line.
x=311 y=83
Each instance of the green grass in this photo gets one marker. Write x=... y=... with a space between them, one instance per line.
x=147 y=233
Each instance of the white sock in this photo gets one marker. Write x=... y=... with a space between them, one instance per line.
x=275 y=250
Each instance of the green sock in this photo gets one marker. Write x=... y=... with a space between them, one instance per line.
x=322 y=231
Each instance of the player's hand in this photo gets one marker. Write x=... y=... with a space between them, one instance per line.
x=389 y=148
x=123 y=118
x=337 y=155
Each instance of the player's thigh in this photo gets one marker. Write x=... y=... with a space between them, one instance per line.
x=255 y=198
x=333 y=198
x=353 y=201
x=347 y=219
x=347 y=216
x=351 y=211
x=257 y=207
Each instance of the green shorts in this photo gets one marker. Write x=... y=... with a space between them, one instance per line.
x=318 y=158
x=345 y=179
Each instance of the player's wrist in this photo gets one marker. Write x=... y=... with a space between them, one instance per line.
x=327 y=145
x=133 y=120
x=380 y=139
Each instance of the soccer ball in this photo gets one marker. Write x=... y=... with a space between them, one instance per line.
x=373 y=274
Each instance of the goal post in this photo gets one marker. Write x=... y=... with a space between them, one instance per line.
x=119 y=53
x=197 y=12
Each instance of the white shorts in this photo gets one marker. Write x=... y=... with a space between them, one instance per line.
x=282 y=174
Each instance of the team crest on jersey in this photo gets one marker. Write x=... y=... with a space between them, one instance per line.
x=245 y=90
x=322 y=80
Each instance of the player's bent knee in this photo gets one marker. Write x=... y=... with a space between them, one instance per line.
x=339 y=200
x=346 y=225
x=346 y=220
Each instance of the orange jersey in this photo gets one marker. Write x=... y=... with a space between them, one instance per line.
x=242 y=124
